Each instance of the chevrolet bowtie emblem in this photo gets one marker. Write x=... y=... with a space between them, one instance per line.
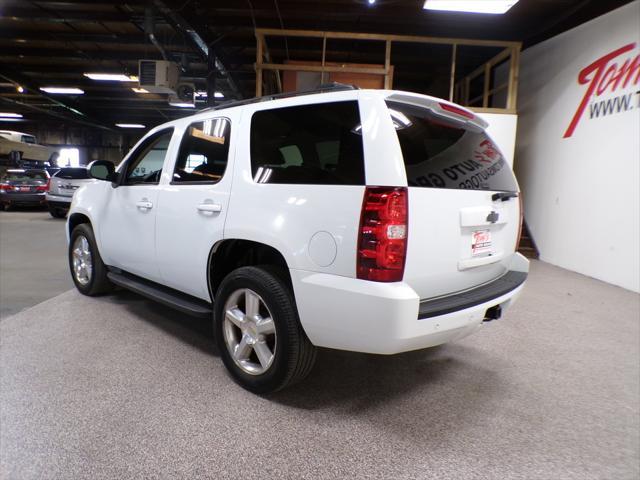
x=493 y=217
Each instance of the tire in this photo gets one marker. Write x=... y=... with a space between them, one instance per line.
x=293 y=355
x=96 y=282
x=57 y=212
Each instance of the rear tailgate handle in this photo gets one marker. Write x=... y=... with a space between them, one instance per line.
x=477 y=216
x=210 y=207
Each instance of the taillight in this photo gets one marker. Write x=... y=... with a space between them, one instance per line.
x=4 y=187
x=43 y=188
x=521 y=219
x=382 y=238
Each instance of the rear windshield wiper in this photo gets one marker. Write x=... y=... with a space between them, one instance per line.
x=504 y=196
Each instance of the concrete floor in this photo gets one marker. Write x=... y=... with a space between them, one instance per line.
x=119 y=387
x=33 y=261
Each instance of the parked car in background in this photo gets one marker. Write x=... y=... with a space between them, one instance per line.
x=62 y=185
x=23 y=187
x=20 y=147
x=373 y=221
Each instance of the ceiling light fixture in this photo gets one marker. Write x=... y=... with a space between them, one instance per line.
x=111 y=77
x=470 y=6
x=63 y=90
x=130 y=125
x=10 y=115
x=182 y=104
x=203 y=94
x=139 y=90
x=371 y=2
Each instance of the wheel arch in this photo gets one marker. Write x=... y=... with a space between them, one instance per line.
x=75 y=219
x=231 y=253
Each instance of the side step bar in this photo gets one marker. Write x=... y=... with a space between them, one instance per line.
x=167 y=296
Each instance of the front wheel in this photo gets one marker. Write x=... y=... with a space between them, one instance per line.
x=87 y=269
x=258 y=332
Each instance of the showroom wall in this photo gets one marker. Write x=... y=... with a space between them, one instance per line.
x=578 y=147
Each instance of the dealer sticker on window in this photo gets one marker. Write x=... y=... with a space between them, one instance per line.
x=480 y=243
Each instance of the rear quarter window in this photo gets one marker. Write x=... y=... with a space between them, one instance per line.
x=308 y=144
x=441 y=154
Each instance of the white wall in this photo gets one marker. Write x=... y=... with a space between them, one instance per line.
x=582 y=188
x=502 y=129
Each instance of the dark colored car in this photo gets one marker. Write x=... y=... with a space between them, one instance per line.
x=23 y=187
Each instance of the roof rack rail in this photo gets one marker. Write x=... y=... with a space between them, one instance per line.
x=325 y=87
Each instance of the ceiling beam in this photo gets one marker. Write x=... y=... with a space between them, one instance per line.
x=64 y=16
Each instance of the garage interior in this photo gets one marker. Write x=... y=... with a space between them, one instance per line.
x=121 y=387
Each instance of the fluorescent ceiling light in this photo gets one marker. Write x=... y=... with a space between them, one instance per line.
x=63 y=90
x=472 y=6
x=139 y=90
x=10 y=115
x=203 y=94
x=182 y=104
x=111 y=77
x=130 y=125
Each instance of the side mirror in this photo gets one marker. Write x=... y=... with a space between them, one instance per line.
x=103 y=170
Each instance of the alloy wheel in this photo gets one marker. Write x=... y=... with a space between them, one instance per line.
x=249 y=331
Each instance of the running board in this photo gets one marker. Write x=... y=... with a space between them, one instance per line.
x=167 y=296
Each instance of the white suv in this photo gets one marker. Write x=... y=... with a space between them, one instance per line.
x=367 y=220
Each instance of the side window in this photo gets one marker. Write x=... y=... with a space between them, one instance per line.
x=204 y=152
x=310 y=144
x=145 y=164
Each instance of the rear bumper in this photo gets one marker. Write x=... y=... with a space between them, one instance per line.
x=356 y=315
x=59 y=201
x=22 y=198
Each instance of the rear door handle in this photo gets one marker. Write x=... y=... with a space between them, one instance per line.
x=210 y=207
x=144 y=205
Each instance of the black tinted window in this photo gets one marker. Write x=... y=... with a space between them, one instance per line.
x=310 y=144
x=72 y=173
x=203 y=152
x=145 y=164
x=440 y=154
x=11 y=176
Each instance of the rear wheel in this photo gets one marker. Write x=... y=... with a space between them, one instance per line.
x=258 y=332
x=87 y=269
x=57 y=212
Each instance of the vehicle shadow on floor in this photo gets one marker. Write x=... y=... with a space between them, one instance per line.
x=347 y=381
x=196 y=332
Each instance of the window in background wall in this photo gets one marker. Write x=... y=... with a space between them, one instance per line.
x=69 y=157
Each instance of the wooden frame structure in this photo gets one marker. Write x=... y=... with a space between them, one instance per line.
x=458 y=91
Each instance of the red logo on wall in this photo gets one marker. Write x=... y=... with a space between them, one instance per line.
x=605 y=75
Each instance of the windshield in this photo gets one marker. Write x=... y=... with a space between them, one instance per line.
x=442 y=154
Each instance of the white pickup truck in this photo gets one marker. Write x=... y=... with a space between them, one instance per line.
x=21 y=146
x=373 y=221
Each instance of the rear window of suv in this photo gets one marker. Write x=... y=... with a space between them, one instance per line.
x=308 y=144
x=72 y=173
x=440 y=154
